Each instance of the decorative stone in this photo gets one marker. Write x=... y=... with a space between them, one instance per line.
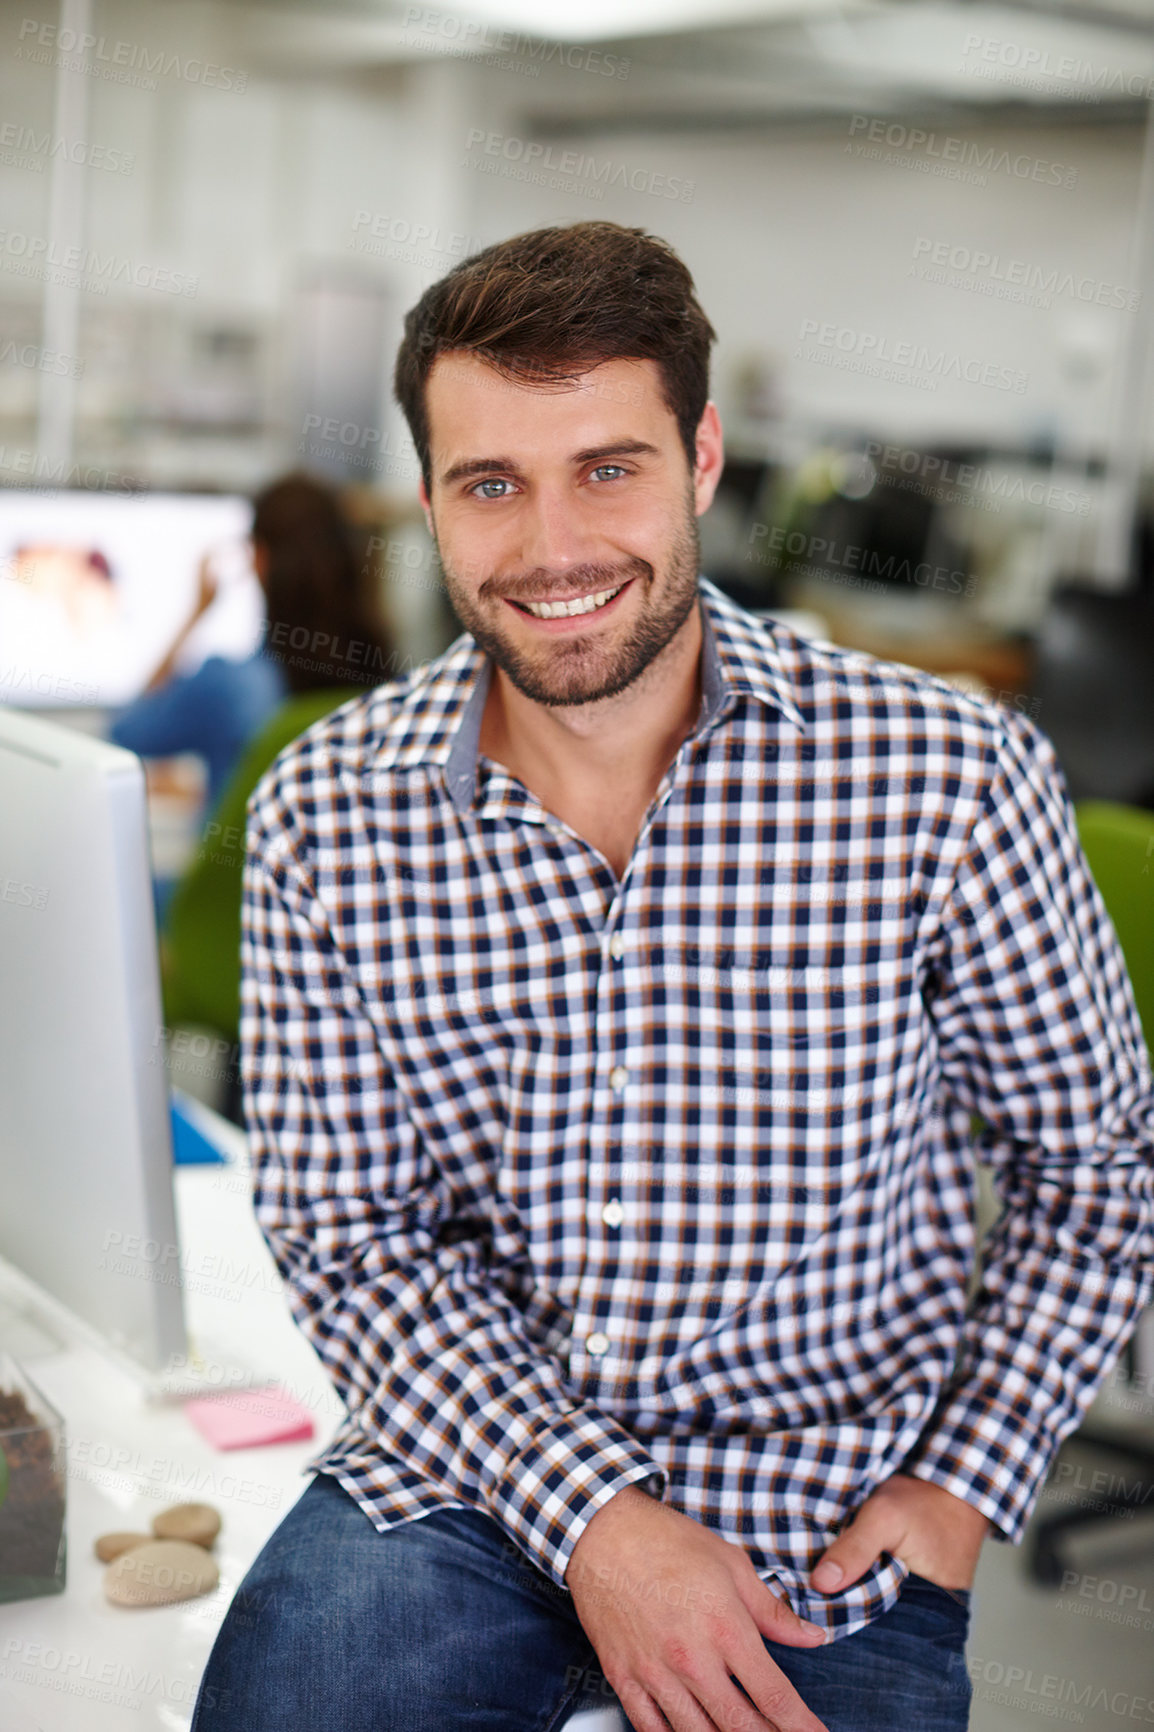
x=198 y=1523
x=110 y=1546
x=160 y=1573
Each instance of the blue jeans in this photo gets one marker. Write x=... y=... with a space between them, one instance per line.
x=443 y=1623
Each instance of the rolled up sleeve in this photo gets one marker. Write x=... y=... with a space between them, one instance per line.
x=1039 y=1034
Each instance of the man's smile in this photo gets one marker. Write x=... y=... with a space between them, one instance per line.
x=560 y=614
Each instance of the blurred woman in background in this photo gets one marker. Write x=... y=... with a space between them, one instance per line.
x=321 y=631
x=322 y=644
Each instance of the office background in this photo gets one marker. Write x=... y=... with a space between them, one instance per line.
x=925 y=236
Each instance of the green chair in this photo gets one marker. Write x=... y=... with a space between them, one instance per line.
x=1118 y=842
x=200 y=937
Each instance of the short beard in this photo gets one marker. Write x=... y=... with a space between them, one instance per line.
x=577 y=671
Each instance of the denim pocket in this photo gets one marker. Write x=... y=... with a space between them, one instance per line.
x=960 y=1596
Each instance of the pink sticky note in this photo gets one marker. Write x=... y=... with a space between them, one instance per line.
x=243 y=1418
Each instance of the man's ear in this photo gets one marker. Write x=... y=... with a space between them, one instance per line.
x=426 y=507
x=710 y=458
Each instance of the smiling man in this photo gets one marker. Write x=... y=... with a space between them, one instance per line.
x=573 y=564
x=618 y=989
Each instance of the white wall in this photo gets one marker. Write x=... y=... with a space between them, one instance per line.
x=788 y=228
x=244 y=190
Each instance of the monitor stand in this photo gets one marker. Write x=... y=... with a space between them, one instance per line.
x=35 y=1326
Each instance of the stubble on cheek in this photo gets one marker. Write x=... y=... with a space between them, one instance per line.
x=565 y=670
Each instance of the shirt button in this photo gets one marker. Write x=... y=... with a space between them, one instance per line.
x=613 y=1214
x=618 y=1077
x=597 y=1343
x=616 y=946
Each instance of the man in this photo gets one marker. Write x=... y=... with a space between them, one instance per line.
x=618 y=991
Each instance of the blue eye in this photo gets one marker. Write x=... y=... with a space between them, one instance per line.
x=602 y=467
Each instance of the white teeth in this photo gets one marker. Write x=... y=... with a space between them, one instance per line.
x=564 y=609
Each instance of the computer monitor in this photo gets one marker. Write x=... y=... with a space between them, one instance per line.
x=94 y=587
x=86 y=1186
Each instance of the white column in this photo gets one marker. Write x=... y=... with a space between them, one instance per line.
x=66 y=228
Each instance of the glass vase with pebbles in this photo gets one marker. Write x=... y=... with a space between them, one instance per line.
x=33 y=1544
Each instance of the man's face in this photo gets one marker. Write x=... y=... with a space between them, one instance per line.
x=545 y=494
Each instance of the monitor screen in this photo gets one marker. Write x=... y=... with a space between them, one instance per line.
x=86 y=1195
x=94 y=588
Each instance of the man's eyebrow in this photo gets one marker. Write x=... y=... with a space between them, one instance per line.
x=594 y=454
x=619 y=448
x=477 y=466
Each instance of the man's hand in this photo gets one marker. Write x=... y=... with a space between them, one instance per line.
x=928 y=1529
x=672 y=1609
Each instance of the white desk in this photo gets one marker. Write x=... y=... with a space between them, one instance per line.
x=73 y=1663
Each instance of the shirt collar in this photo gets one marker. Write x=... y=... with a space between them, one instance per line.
x=438 y=721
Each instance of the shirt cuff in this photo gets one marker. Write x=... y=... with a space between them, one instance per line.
x=554 y=1486
x=989 y=1454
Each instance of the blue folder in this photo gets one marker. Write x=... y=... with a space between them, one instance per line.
x=190 y=1146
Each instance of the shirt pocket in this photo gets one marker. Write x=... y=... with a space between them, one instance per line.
x=794 y=1065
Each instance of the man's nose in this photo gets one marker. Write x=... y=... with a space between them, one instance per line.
x=555 y=535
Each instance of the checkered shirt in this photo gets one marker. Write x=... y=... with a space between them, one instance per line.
x=578 y=1182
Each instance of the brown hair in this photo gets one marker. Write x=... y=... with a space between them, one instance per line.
x=316 y=583
x=550 y=304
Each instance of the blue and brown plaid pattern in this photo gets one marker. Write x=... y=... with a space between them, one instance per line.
x=575 y=1181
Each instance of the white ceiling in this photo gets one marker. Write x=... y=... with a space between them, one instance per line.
x=753 y=59
x=602 y=20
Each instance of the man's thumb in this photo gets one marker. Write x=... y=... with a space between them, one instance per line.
x=852 y=1553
